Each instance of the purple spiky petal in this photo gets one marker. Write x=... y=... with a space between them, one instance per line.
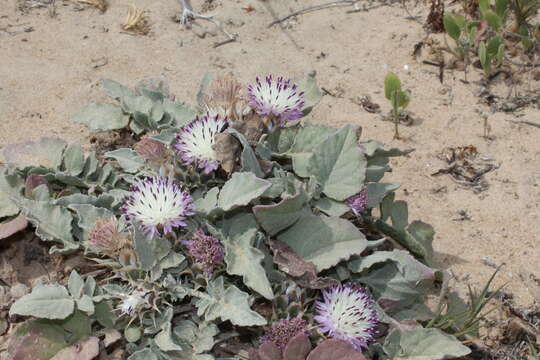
x=358 y=202
x=206 y=251
x=195 y=142
x=276 y=97
x=158 y=204
x=347 y=313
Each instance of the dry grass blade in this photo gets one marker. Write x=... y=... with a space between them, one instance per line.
x=99 y=4
x=136 y=21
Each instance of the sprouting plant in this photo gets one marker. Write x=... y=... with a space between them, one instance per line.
x=523 y=11
x=99 y=4
x=463 y=33
x=399 y=99
x=491 y=53
x=462 y=320
x=136 y=21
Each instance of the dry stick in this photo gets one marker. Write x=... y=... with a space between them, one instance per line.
x=312 y=8
x=526 y=122
x=272 y=12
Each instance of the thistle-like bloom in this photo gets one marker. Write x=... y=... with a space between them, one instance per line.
x=276 y=98
x=158 y=204
x=133 y=303
x=347 y=313
x=358 y=202
x=195 y=142
x=105 y=237
x=150 y=149
x=224 y=97
x=206 y=251
x=283 y=331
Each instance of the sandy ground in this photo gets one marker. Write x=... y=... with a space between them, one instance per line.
x=50 y=68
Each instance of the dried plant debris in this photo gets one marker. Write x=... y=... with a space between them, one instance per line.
x=136 y=21
x=434 y=22
x=99 y=4
x=25 y=5
x=466 y=167
x=366 y=104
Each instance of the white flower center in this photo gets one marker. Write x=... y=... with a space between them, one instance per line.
x=348 y=317
x=156 y=203
x=278 y=98
x=198 y=141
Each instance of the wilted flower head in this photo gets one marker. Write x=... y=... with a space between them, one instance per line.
x=133 y=303
x=283 y=331
x=358 y=202
x=224 y=95
x=195 y=142
x=158 y=204
x=276 y=98
x=347 y=313
x=105 y=237
x=206 y=251
x=150 y=149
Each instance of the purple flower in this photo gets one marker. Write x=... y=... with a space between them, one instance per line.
x=283 y=331
x=159 y=204
x=347 y=313
x=358 y=202
x=276 y=98
x=195 y=142
x=206 y=251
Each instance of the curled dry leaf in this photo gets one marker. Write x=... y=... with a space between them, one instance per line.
x=227 y=148
x=13 y=226
x=294 y=265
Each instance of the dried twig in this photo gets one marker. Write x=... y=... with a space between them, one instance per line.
x=314 y=7
x=526 y=122
x=99 y=4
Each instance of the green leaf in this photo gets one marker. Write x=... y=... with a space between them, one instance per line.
x=137 y=104
x=149 y=249
x=339 y=165
x=501 y=6
x=104 y=314
x=165 y=341
x=423 y=344
x=391 y=85
x=331 y=207
x=484 y=59
x=7 y=206
x=228 y=304
x=46 y=152
x=483 y=5
x=128 y=159
x=144 y=354
x=87 y=215
x=36 y=340
x=400 y=215
x=205 y=83
x=116 y=90
x=75 y=285
x=53 y=223
x=276 y=217
x=451 y=27
x=494 y=21
x=181 y=113
x=102 y=117
x=45 y=301
x=240 y=189
x=493 y=45
x=325 y=241
x=312 y=93
x=199 y=338
x=207 y=204
x=376 y=192
x=248 y=160
x=74 y=160
x=242 y=258
x=423 y=233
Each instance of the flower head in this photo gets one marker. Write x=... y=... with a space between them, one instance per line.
x=276 y=98
x=105 y=237
x=159 y=204
x=283 y=331
x=224 y=97
x=206 y=251
x=358 y=202
x=133 y=302
x=347 y=313
x=195 y=142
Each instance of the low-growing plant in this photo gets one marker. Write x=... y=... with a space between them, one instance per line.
x=236 y=230
x=399 y=99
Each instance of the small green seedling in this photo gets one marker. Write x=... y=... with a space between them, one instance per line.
x=491 y=52
x=398 y=98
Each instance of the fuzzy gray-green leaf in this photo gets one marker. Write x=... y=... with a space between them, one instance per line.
x=325 y=241
x=240 y=189
x=128 y=159
x=45 y=301
x=102 y=117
